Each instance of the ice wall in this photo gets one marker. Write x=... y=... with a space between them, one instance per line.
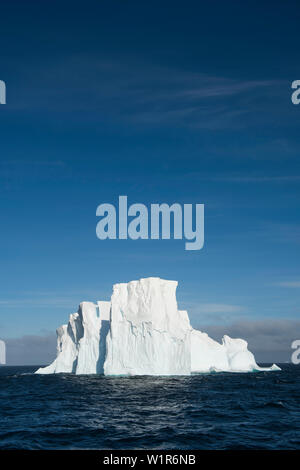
x=148 y=334
x=81 y=344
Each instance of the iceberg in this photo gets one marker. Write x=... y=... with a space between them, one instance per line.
x=141 y=331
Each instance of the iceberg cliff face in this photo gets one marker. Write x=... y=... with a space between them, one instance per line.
x=148 y=335
x=81 y=345
x=142 y=332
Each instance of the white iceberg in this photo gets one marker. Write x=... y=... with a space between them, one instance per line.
x=142 y=332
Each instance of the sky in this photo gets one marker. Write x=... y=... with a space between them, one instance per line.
x=163 y=102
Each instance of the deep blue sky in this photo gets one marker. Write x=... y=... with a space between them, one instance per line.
x=164 y=102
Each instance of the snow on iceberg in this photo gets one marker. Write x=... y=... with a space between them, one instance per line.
x=142 y=332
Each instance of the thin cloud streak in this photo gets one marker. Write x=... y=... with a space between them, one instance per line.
x=218 y=308
x=290 y=284
x=48 y=299
x=241 y=178
x=138 y=93
x=256 y=179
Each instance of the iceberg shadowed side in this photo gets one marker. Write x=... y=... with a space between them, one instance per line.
x=80 y=343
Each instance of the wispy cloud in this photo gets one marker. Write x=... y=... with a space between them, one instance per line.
x=255 y=179
x=213 y=312
x=142 y=93
x=31 y=163
x=70 y=299
x=57 y=301
x=291 y=284
x=240 y=178
x=218 y=308
x=15 y=172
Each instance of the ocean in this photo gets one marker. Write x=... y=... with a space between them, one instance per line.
x=210 y=411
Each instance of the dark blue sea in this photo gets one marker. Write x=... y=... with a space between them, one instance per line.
x=214 y=411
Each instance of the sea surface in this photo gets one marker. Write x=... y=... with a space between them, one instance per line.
x=213 y=411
